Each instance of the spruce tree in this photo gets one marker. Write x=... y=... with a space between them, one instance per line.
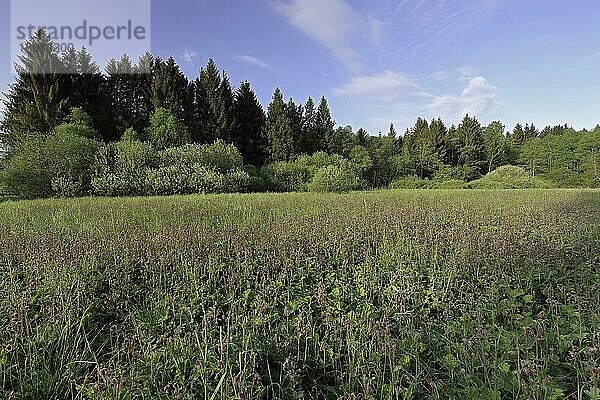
x=325 y=126
x=362 y=137
x=170 y=90
x=121 y=86
x=143 y=92
x=224 y=110
x=37 y=101
x=249 y=124
x=472 y=153
x=295 y=116
x=310 y=141
x=207 y=88
x=278 y=130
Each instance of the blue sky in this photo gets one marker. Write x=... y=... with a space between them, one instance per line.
x=393 y=61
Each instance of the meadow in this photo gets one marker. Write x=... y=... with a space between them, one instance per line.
x=369 y=295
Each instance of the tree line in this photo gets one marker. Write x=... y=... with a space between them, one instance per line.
x=133 y=109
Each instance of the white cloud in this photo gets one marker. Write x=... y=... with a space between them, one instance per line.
x=332 y=23
x=461 y=73
x=387 y=86
x=253 y=61
x=189 y=56
x=393 y=96
x=479 y=96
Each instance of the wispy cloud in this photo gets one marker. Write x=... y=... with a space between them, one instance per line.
x=412 y=26
x=253 y=61
x=461 y=73
x=190 y=55
x=393 y=96
x=388 y=86
x=335 y=24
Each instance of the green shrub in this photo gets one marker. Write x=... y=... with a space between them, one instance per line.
x=508 y=177
x=79 y=117
x=236 y=181
x=179 y=179
x=169 y=180
x=120 y=168
x=286 y=177
x=361 y=161
x=256 y=183
x=219 y=156
x=166 y=130
x=205 y=180
x=26 y=175
x=130 y=134
x=63 y=155
x=334 y=178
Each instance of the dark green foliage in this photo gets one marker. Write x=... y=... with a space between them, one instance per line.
x=324 y=127
x=470 y=137
x=36 y=102
x=310 y=140
x=170 y=90
x=495 y=147
x=130 y=134
x=213 y=105
x=278 y=130
x=248 y=131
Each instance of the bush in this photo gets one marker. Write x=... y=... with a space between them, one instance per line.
x=361 y=161
x=166 y=130
x=508 y=177
x=286 y=177
x=61 y=157
x=236 y=181
x=181 y=179
x=334 y=178
x=256 y=183
x=130 y=134
x=120 y=169
x=26 y=175
x=218 y=156
x=169 y=180
x=295 y=176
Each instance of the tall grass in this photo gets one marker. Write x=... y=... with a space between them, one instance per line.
x=385 y=295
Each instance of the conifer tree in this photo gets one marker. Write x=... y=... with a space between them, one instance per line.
x=36 y=102
x=310 y=142
x=121 y=91
x=249 y=124
x=325 y=126
x=296 y=117
x=224 y=110
x=278 y=130
x=170 y=90
x=472 y=157
x=362 y=137
x=207 y=88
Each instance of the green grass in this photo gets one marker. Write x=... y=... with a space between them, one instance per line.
x=383 y=295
